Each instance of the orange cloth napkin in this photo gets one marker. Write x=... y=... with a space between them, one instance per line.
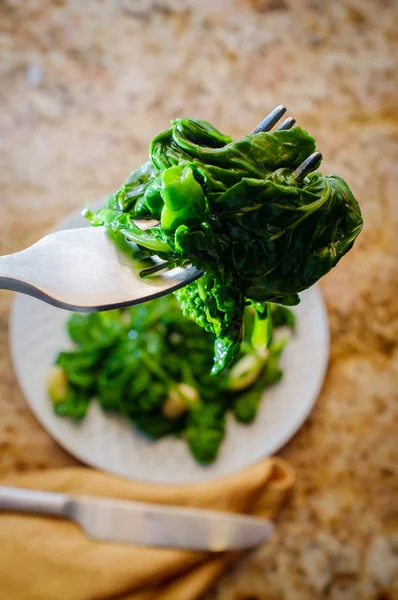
x=42 y=558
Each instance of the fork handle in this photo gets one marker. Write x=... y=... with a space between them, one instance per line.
x=31 y=501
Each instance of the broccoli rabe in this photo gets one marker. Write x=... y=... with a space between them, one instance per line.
x=235 y=210
x=151 y=365
x=261 y=235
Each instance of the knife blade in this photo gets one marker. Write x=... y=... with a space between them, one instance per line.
x=125 y=521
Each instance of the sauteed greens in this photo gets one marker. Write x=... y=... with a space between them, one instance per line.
x=235 y=210
x=151 y=365
x=260 y=233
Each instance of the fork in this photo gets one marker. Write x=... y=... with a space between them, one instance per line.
x=84 y=270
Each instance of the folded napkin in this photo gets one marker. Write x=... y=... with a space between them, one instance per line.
x=42 y=558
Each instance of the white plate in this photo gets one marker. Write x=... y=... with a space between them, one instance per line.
x=37 y=333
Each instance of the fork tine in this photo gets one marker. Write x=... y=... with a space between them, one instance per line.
x=287 y=124
x=309 y=164
x=271 y=119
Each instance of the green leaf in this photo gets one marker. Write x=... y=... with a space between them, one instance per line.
x=205 y=431
x=75 y=406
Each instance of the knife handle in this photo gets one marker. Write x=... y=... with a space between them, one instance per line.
x=31 y=501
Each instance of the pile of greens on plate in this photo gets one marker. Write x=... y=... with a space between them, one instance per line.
x=152 y=365
x=261 y=235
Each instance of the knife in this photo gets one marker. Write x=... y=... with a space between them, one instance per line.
x=131 y=522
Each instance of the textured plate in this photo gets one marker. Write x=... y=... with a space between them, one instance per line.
x=37 y=333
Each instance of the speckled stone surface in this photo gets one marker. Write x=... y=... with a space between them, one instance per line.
x=84 y=87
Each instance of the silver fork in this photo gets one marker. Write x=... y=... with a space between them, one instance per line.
x=84 y=270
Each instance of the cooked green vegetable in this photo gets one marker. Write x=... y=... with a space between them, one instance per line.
x=246 y=404
x=151 y=365
x=235 y=210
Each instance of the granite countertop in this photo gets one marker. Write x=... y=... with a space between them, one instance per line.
x=85 y=85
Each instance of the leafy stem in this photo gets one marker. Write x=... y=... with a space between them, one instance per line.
x=247 y=370
x=262 y=328
x=143 y=238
